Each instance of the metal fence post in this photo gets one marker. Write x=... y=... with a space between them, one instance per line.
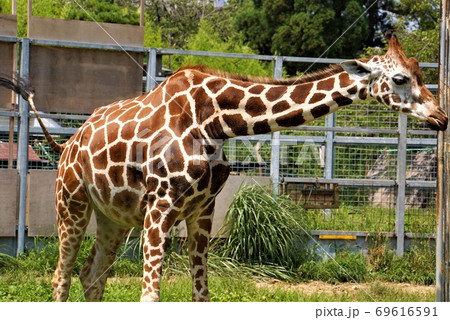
x=401 y=184
x=22 y=149
x=151 y=70
x=443 y=190
x=275 y=139
x=329 y=146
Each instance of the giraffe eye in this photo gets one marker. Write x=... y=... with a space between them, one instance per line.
x=400 y=79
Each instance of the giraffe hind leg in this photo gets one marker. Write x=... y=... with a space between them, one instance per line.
x=199 y=230
x=95 y=270
x=72 y=220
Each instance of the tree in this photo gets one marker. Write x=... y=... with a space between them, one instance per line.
x=178 y=19
x=208 y=39
x=113 y=11
x=311 y=27
x=418 y=29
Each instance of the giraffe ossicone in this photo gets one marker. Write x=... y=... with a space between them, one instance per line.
x=157 y=159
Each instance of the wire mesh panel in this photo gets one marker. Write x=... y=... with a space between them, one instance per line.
x=367 y=115
x=250 y=158
x=420 y=210
x=356 y=212
x=8 y=142
x=301 y=159
x=364 y=149
x=365 y=162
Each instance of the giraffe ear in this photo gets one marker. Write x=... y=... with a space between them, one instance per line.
x=358 y=69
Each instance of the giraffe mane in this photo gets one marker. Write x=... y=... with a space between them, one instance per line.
x=313 y=76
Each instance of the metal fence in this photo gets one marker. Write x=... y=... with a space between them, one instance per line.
x=383 y=163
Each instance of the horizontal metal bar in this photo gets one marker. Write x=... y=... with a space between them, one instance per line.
x=163 y=51
x=346 y=129
x=214 y=54
x=255 y=138
x=264 y=57
x=284 y=139
x=374 y=141
x=86 y=45
x=60 y=116
x=363 y=182
x=409 y=235
x=344 y=182
x=9 y=114
x=420 y=184
x=63 y=131
x=425 y=132
x=10 y=39
x=363 y=130
x=339 y=140
x=313 y=60
x=345 y=232
x=428 y=64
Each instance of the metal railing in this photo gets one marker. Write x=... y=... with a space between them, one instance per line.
x=329 y=134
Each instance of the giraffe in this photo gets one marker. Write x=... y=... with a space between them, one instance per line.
x=155 y=160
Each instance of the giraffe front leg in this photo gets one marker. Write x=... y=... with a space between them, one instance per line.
x=199 y=230
x=157 y=226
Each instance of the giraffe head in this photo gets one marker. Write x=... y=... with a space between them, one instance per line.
x=397 y=81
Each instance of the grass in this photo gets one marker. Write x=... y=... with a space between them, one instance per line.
x=367 y=218
x=28 y=278
x=264 y=243
x=223 y=289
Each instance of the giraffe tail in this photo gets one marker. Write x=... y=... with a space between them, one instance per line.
x=21 y=88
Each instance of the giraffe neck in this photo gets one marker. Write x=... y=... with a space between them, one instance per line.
x=246 y=108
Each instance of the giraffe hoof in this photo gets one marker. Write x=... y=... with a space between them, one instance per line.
x=151 y=297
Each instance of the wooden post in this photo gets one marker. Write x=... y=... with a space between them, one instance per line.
x=142 y=18
x=13 y=98
x=443 y=190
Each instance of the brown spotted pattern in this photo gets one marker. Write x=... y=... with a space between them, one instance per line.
x=155 y=160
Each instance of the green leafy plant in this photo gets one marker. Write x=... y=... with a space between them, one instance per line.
x=261 y=230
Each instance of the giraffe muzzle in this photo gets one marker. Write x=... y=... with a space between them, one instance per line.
x=437 y=122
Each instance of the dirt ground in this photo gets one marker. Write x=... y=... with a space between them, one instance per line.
x=317 y=287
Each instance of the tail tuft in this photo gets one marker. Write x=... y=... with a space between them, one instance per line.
x=23 y=88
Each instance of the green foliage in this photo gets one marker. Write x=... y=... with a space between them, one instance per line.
x=208 y=39
x=309 y=28
x=7 y=262
x=417 y=26
x=92 y=10
x=153 y=35
x=101 y=11
x=5 y=6
x=345 y=267
x=44 y=256
x=417 y=265
x=28 y=278
x=261 y=230
x=423 y=14
x=178 y=19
